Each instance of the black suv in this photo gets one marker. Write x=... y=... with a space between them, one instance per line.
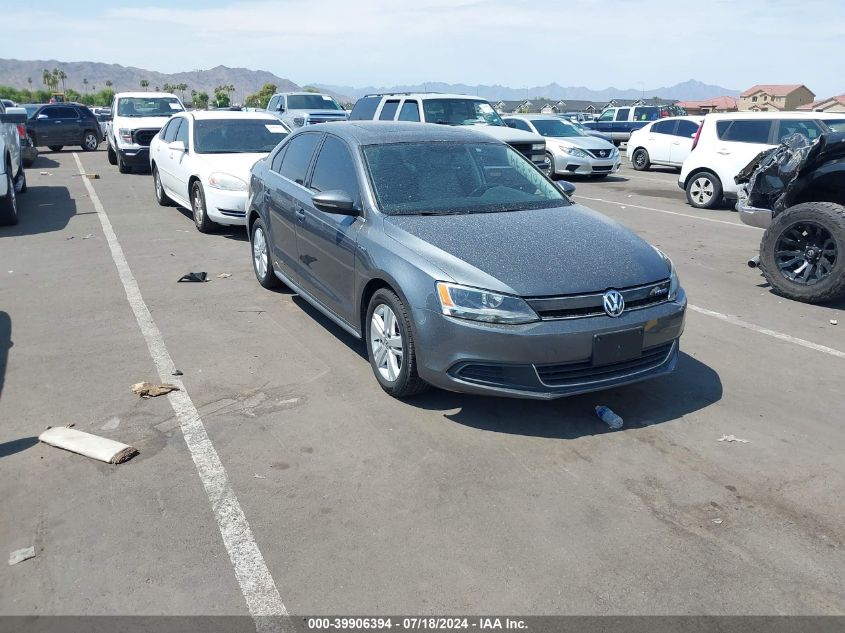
x=58 y=124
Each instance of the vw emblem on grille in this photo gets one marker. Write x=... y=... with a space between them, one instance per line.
x=614 y=303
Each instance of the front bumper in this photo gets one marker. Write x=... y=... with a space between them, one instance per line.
x=752 y=216
x=225 y=207
x=135 y=156
x=566 y=164
x=544 y=360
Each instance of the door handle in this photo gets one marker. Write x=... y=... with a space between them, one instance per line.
x=300 y=215
x=723 y=152
x=58 y=122
x=676 y=143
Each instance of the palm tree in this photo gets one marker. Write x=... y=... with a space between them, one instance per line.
x=47 y=78
x=157 y=90
x=182 y=87
x=85 y=83
x=108 y=83
x=144 y=84
x=63 y=76
x=29 y=81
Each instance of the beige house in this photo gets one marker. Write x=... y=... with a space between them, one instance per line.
x=832 y=104
x=778 y=98
x=717 y=104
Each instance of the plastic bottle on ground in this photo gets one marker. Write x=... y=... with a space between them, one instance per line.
x=609 y=417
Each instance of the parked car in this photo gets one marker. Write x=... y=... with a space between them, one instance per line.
x=664 y=142
x=8 y=103
x=31 y=108
x=579 y=117
x=569 y=151
x=103 y=116
x=55 y=125
x=797 y=193
x=588 y=131
x=297 y=109
x=202 y=161
x=620 y=122
x=449 y=109
x=136 y=119
x=727 y=142
x=12 y=174
x=459 y=263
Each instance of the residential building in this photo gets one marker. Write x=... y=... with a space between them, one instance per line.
x=706 y=106
x=831 y=104
x=775 y=97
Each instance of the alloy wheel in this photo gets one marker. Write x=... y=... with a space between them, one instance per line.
x=157 y=182
x=199 y=207
x=702 y=190
x=639 y=158
x=259 y=253
x=91 y=142
x=805 y=253
x=386 y=342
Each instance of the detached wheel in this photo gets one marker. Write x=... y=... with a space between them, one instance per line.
x=802 y=252
x=390 y=346
x=161 y=197
x=552 y=172
x=261 y=263
x=89 y=142
x=9 y=203
x=204 y=225
x=704 y=190
x=640 y=159
x=112 y=155
x=55 y=148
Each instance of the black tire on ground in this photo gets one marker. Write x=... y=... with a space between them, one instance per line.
x=824 y=217
x=204 y=225
x=122 y=167
x=161 y=197
x=407 y=382
x=552 y=173
x=640 y=159
x=89 y=141
x=55 y=148
x=262 y=265
x=9 y=203
x=112 y=155
x=704 y=190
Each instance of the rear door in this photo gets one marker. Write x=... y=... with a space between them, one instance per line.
x=621 y=128
x=68 y=126
x=682 y=141
x=326 y=241
x=739 y=140
x=660 y=137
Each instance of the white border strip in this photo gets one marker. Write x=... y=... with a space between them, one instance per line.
x=257 y=585
x=683 y=215
x=761 y=330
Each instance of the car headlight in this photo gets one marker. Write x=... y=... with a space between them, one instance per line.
x=674 y=282
x=574 y=151
x=125 y=135
x=219 y=180
x=538 y=147
x=614 y=152
x=483 y=305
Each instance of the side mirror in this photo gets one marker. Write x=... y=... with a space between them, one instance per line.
x=14 y=115
x=336 y=201
x=178 y=146
x=41 y=116
x=566 y=187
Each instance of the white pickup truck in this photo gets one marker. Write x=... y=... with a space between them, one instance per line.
x=12 y=176
x=136 y=117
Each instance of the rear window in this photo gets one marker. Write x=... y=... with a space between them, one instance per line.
x=312 y=102
x=388 y=111
x=364 y=109
x=745 y=131
x=622 y=114
x=646 y=113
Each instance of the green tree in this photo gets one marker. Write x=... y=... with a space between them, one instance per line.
x=310 y=89
x=144 y=84
x=181 y=87
x=260 y=98
x=62 y=77
x=200 y=99
x=221 y=96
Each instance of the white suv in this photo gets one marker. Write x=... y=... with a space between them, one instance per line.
x=727 y=142
x=136 y=117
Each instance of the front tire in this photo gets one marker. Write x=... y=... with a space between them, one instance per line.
x=122 y=167
x=704 y=190
x=552 y=168
x=161 y=197
x=262 y=264
x=9 y=203
x=802 y=251
x=112 y=155
x=89 y=142
x=640 y=159
x=55 y=148
x=390 y=346
x=204 y=225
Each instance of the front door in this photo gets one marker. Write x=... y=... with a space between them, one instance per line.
x=161 y=154
x=326 y=241
x=56 y=125
x=660 y=138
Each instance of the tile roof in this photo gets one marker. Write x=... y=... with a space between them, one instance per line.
x=776 y=90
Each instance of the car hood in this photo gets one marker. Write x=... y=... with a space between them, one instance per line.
x=543 y=252
x=238 y=165
x=509 y=134
x=584 y=142
x=138 y=122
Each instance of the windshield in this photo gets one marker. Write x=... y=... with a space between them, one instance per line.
x=442 y=178
x=556 y=128
x=148 y=106
x=234 y=136
x=312 y=102
x=460 y=112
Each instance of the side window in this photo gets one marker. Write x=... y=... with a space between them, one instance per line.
x=60 y=113
x=687 y=129
x=364 y=109
x=169 y=132
x=797 y=126
x=298 y=156
x=663 y=127
x=273 y=104
x=388 y=110
x=182 y=132
x=410 y=111
x=334 y=169
x=607 y=115
x=622 y=114
x=521 y=125
x=646 y=113
x=748 y=131
x=276 y=163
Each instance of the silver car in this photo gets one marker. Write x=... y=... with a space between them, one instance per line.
x=569 y=150
x=459 y=263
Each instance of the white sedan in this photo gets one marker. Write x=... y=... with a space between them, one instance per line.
x=202 y=161
x=664 y=142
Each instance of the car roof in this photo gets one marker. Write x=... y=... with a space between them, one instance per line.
x=386 y=132
x=145 y=94
x=531 y=117
x=304 y=92
x=425 y=95
x=203 y=115
x=684 y=117
x=773 y=114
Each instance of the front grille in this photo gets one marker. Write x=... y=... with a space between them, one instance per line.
x=602 y=167
x=590 y=305
x=599 y=153
x=315 y=119
x=143 y=137
x=489 y=374
x=535 y=156
x=571 y=374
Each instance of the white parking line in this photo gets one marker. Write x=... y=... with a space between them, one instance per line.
x=728 y=318
x=683 y=215
x=256 y=583
x=673 y=183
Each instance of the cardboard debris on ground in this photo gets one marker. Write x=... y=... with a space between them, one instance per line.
x=20 y=555
x=151 y=390
x=834 y=322
x=195 y=277
x=93 y=446
x=92 y=176
x=224 y=275
x=731 y=438
x=177 y=372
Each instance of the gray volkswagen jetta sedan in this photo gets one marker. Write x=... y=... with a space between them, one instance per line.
x=459 y=263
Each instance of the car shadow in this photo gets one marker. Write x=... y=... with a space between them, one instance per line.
x=237 y=233
x=43 y=162
x=42 y=210
x=690 y=388
x=354 y=344
x=5 y=345
x=17 y=446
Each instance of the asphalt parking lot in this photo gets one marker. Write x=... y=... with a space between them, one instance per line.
x=360 y=504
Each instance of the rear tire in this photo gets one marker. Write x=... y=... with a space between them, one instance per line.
x=810 y=236
x=390 y=346
x=89 y=142
x=112 y=155
x=9 y=203
x=704 y=190
x=262 y=263
x=640 y=159
x=161 y=197
x=55 y=148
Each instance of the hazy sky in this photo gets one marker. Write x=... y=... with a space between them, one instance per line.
x=519 y=43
